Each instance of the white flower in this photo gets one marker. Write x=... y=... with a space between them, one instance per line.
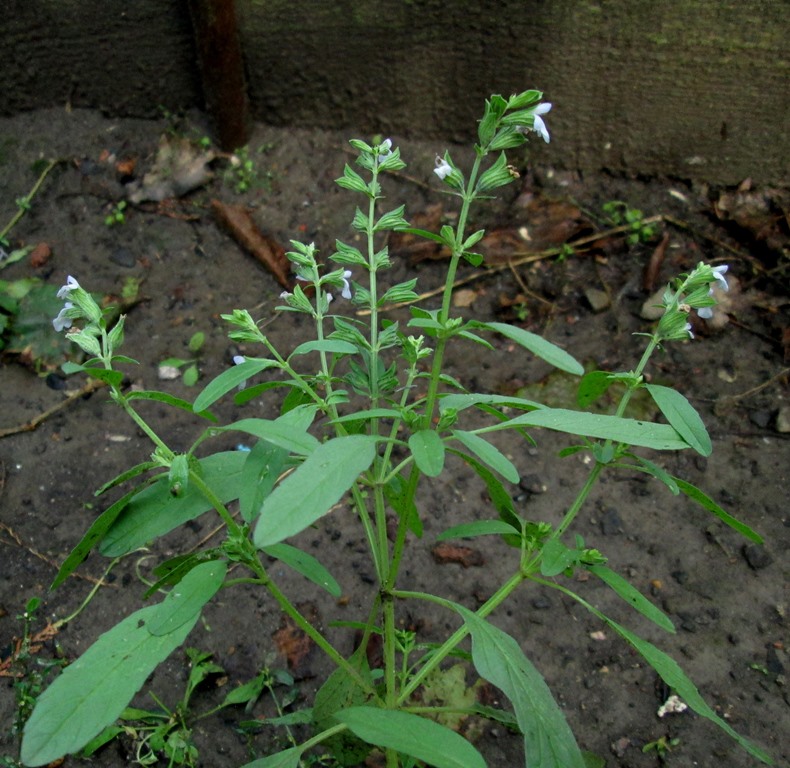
x=238 y=359
x=443 y=168
x=346 y=292
x=65 y=291
x=706 y=313
x=687 y=329
x=284 y=295
x=385 y=148
x=538 y=126
x=329 y=298
x=62 y=321
x=718 y=274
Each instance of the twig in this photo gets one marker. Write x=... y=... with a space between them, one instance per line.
x=29 y=426
x=17 y=540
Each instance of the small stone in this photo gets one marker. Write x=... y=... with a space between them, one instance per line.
x=783 y=420
x=597 y=299
x=123 y=257
x=756 y=556
x=532 y=484
x=168 y=372
x=651 y=309
x=760 y=418
x=611 y=522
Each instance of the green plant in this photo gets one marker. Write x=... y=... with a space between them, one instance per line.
x=242 y=174
x=116 y=214
x=368 y=415
x=190 y=372
x=661 y=746
x=621 y=214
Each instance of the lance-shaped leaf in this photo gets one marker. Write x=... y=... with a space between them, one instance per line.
x=229 y=380
x=428 y=450
x=548 y=740
x=92 y=692
x=277 y=432
x=311 y=489
x=539 y=347
x=488 y=454
x=660 y=437
x=305 y=564
x=186 y=599
x=412 y=735
x=680 y=413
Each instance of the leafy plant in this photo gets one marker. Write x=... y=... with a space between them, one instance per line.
x=116 y=215
x=189 y=367
x=621 y=214
x=368 y=416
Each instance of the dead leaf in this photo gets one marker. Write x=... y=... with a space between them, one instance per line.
x=293 y=643
x=654 y=264
x=40 y=255
x=453 y=553
x=238 y=222
x=464 y=297
x=416 y=248
x=180 y=167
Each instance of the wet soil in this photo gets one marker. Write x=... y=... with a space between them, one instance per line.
x=727 y=597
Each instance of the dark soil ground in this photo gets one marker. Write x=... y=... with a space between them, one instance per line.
x=727 y=597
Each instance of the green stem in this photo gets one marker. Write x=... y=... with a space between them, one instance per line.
x=21 y=212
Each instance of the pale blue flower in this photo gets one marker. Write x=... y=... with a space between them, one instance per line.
x=346 y=292
x=718 y=274
x=385 y=149
x=63 y=321
x=65 y=291
x=538 y=126
x=687 y=329
x=706 y=313
x=443 y=168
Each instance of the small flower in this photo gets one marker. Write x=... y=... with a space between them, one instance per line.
x=687 y=329
x=346 y=292
x=385 y=148
x=63 y=321
x=65 y=291
x=443 y=168
x=538 y=126
x=329 y=298
x=706 y=313
x=284 y=295
x=718 y=274
x=238 y=359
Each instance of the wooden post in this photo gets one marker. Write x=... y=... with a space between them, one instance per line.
x=222 y=70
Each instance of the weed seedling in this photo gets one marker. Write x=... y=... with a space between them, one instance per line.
x=116 y=216
x=188 y=367
x=621 y=214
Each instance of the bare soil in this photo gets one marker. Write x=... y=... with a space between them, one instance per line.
x=727 y=597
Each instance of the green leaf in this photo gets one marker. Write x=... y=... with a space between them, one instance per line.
x=276 y=432
x=228 y=380
x=163 y=397
x=557 y=557
x=263 y=467
x=372 y=413
x=288 y=758
x=95 y=534
x=412 y=735
x=548 y=740
x=250 y=691
x=461 y=402
x=92 y=692
x=313 y=488
x=680 y=413
x=632 y=596
x=658 y=472
x=138 y=469
x=659 y=437
x=333 y=346
x=488 y=454
x=428 y=450
x=704 y=500
x=478 y=528
x=591 y=387
x=185 y=601
x=543 y=349
x=305 y=564
x=154 y=512
x=671 y=673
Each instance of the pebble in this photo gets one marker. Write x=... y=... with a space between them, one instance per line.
x=611 y=522
x=783 y=420
x=597 y=299
x=761 y=418
x=123 y=257
x=756 y=556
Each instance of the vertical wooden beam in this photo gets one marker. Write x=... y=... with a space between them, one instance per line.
x=222 y=70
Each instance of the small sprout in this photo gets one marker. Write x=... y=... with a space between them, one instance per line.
x=116 y=215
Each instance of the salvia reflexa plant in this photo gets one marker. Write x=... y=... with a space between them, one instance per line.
x=368 y=415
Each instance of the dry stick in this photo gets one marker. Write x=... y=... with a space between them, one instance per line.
x=17 y=539
x=29 y=426
x=523 y=257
